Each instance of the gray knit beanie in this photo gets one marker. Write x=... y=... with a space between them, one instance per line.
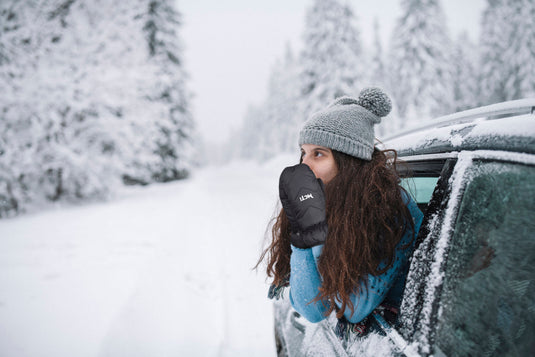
x=347 y=124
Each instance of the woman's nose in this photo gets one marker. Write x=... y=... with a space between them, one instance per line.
x=306 y=162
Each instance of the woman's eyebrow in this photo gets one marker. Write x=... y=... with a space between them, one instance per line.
x=322 y=149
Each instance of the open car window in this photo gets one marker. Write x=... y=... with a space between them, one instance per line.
x=420 y=188
x=488 y=298
x=420 y=179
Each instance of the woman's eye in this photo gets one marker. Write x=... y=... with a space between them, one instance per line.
x=318 y=154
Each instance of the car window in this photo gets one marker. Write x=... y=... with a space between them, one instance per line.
x=421 y=188
x=420 y=178
x=488 y=299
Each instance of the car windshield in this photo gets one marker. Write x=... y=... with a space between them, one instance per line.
x=488 y=299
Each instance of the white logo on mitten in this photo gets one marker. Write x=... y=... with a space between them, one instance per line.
x=305 y=197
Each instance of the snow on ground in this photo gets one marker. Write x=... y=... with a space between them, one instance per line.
x=163 y=271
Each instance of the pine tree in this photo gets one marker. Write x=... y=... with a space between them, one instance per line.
x=42 y=107
x=507 y=50
x=495 y=33
x=108 y=109
x=174 y=145
x=272 y=127
x=525 y=42
x=379 y=77
x=420 y=56
x=281 y=106
x=377 y=66
x=11 y=143
x=332 y=61
x=465 y=85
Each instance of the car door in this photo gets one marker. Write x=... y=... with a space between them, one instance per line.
x=471 y=288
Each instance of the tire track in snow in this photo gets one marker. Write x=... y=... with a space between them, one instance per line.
x=218 y=305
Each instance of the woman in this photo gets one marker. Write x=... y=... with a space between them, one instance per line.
x=344 y=236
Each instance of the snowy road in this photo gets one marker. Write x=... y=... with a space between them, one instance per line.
x=164 y=271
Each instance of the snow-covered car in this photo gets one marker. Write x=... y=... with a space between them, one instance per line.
x=470 y=290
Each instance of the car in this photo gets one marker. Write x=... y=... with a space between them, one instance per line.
x=470 y=289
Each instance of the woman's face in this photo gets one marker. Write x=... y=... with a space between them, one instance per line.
x=320 y=160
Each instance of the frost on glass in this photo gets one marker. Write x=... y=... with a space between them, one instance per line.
x=488 y=301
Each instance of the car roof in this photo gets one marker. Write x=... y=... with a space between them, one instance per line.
x=508 y=126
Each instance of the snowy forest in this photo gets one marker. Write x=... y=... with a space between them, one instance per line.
x=95 y=94
x=427 y=73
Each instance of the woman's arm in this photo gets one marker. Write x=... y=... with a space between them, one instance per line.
x=304 y=284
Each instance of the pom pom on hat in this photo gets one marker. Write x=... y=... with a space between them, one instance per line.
x=372 y=99
x=375 y=100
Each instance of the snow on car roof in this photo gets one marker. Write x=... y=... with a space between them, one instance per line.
x=516 y=133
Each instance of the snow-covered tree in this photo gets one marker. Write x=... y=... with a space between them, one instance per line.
x=525 y=43
x=420 y=62
x=174 y=146
x=465 y=84
x=44 y=109
x=377 y=65
x=84 y=107
x=281 y=106
x=495 y=40
x=272 y=126
x=332 y=61
x=379 y=76
x=507 y=50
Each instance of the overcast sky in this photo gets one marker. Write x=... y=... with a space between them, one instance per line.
x=232 y=44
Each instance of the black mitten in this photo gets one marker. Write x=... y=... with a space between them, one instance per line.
x=303 y=199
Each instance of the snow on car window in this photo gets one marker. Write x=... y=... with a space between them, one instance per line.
x=432 y=250
x=489 y=287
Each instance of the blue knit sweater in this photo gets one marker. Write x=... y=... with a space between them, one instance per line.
x=305 y=279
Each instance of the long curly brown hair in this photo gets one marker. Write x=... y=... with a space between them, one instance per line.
x=367 y=218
